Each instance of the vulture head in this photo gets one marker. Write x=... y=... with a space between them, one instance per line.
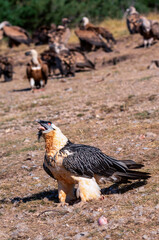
x=131 y=10
x=3 y=24
x=47 y=127
x=84 y=21
x=33 y=53
x=65 y=21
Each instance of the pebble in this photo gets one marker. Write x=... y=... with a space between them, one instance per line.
x=145 y=237
x=24 y=167
x=102 y=221
x=36 y=178
x=157 y=206
x=68 y=89
x=80 y=235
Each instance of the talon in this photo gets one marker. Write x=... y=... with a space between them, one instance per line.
x=62 y=204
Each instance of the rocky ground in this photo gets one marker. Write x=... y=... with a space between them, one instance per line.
x=115 y=108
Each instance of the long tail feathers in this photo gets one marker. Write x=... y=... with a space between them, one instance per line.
x=132 y=165
x=135 y=175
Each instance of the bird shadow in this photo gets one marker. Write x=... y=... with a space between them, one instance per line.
x=22 y=90
x=142 y=45
x=115 y=189
x=52 y=195
x=5 y=81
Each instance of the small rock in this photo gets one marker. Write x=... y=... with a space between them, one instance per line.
x=68 y=89
x=39 y=237
x=36 y=178
x=8 y=130
x=107 y=236
x=142 y=136
x=157 y=206
x=145 y=237
x=80 y=235
x=145 y=148
x=26 y=140
x=25 y=167
x=102 y=221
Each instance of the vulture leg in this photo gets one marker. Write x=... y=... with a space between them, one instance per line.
x=32 y=83
x=65 y=192
x=150 y=41
x=42 y=83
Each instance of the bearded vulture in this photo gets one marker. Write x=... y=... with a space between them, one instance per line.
x=83 y=165
x=16 y=35
x=90 y=35
x=37 y=71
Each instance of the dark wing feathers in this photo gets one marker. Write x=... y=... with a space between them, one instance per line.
x=17 y=34
x=88 y=36
x=86 y=161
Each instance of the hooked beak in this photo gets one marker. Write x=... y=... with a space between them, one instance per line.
x=45 y=127
x=28 y=53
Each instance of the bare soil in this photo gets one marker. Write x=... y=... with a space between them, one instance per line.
x=115 y=108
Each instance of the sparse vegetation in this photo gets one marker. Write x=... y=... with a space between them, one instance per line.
x=32 y=14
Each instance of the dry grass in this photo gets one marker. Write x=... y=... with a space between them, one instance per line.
x=116 y=26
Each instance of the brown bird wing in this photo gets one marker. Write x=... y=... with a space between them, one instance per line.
x=60 y=35
x=155 y=29
x=89 y=36
x=17 y=34
x=105 y=33
x=132 y=22
x=81 y=60
x=65 y=36
x=45 y=72
x=1 y=34
x=28 y=71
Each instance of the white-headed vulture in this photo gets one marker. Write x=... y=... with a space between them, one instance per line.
x=83 y=165
x=37 y=71
x=16 y=35
x=90 y=35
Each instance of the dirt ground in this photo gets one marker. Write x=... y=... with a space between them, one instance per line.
x=115 y=108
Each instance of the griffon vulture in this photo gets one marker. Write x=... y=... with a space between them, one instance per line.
x=62 y=33
x=37 y=71
x=83 y=165
x=40 y=36
x=132 y=17
x=6 y=68
x=90 y=35
x=148 y=29
x=66 y=60
x=16 y=35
